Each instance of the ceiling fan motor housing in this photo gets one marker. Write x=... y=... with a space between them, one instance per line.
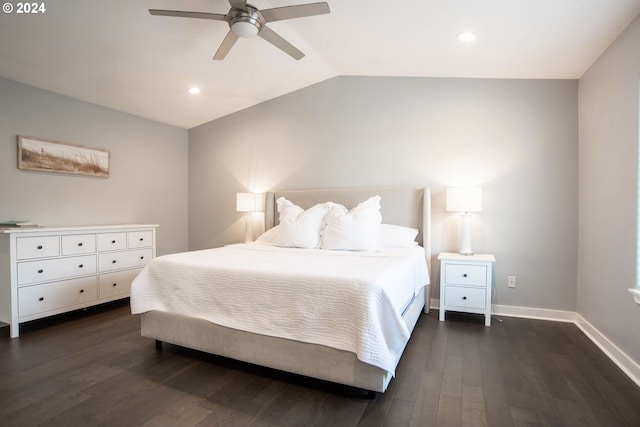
x=246 y=23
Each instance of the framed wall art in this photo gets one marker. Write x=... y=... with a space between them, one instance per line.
x=51 y=156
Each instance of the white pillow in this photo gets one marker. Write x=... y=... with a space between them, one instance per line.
x=299 y=228
x=397 y=236
x=354 y=230
x=270 y=235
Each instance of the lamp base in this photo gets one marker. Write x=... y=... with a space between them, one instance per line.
x=465 y=235
x=248 y=228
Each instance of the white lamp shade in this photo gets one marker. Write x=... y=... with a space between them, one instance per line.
x=464 y=199
x=249 y=202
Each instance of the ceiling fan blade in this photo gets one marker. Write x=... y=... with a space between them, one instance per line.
x=276 y=40
x=238 y=4
x=298 y=11
x=226 y=45
x=185 y=14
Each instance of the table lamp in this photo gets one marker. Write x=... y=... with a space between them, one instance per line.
x=248 y=203
x=464 y=200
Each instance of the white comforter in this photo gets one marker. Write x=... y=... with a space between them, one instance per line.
x=351 y=301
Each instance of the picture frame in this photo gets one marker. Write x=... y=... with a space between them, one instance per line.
x=52 y=156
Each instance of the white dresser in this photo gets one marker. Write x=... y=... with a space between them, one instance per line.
x=465 y=284
x=51 y=270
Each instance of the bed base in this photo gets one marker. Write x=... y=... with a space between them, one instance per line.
x=296 y=357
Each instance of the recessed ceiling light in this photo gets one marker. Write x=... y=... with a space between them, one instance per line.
x=466 y=36
x=194 y=90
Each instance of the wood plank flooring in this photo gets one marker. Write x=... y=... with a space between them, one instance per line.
x=92 y=368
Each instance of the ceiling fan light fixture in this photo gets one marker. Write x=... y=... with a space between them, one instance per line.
x=246 y=20
x=246 y=23
x=245 y=29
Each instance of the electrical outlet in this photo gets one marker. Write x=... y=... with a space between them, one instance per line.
x=511 y=281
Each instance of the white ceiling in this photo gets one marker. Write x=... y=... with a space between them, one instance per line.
x=114 y=53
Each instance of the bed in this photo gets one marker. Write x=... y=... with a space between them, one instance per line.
x=184 y=322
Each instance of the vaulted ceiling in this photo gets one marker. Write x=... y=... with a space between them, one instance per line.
x=114 y=53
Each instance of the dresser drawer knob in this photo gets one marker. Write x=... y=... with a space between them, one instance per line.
x=115 y=284
x=142 y=239
x=113 y=262
x=81 y=291
x=80 y=244
x=40 y=271
x=81 y=266
x=39 y=247
x=113 y=241
x=464 y=298
x=141 y=257
x=41 y=299
x=464 y=275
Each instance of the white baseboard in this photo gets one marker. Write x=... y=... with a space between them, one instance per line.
x=619 y=357
x=526 y=312
x=534 y=313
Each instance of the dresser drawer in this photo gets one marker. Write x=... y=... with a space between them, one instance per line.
x=123 y=260
x=78 y=244
x=140 y=239
x=37 y=247
x=118 y=283
x=112 y=241
x=456 y=296
x=55 y=269
x=464 y=274
x=33 y=300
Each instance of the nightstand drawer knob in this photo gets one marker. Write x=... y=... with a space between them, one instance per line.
x=464 y=275
x=464 y=298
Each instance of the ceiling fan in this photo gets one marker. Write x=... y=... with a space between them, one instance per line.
x=245 y=20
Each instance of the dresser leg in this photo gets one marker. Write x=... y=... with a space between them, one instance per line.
x=158 y=345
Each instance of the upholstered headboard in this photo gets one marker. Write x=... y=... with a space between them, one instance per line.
x=407 y=206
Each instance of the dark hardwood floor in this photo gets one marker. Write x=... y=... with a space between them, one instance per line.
x=92 y=368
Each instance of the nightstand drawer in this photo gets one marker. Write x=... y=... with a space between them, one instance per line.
x=456 y=296
x=465 y=274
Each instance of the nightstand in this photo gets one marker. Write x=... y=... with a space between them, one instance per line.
x=465 y=284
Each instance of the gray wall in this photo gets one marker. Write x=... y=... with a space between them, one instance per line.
x=148 y=182
x=609 y=136
x=518 y=139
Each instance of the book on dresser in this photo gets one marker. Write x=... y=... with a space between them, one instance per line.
x=17 y=224
x=51 y=270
